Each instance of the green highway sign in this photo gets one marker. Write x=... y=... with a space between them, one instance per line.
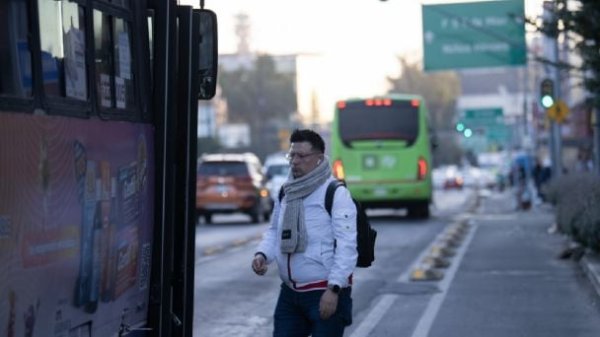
x=499 y=134
x=487 y=122
x=484 y=116
x=474 y=35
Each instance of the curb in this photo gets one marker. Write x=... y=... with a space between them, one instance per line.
x=441 y=252
x=590 y=264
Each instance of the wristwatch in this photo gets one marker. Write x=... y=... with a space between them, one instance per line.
x=334 y=287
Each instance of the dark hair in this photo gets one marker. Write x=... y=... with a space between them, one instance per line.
x=307 y=135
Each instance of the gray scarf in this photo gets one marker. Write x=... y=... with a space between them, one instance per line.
x=293 y=229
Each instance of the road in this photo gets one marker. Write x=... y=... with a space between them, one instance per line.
x=486 y=291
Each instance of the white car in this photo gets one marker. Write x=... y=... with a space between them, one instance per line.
x=276 y=170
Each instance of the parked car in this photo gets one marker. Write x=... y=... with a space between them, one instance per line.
x=232 y=183
x=276 y=169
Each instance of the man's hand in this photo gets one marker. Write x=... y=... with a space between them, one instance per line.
x=259 y=265
x=328 y=304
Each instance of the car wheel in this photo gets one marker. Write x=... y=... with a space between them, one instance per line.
x=424 y=211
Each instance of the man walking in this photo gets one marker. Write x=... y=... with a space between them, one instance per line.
x=315 y=252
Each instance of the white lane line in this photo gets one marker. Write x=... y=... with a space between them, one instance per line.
x=376 y=314
x=433 y=307
x=385 y=302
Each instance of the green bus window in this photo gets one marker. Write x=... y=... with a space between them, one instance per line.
x=62 y=37
x=399 y=121
x=15 y=55
x=114 y=73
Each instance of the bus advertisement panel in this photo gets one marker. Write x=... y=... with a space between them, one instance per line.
x=76 y=222
x=381 y=148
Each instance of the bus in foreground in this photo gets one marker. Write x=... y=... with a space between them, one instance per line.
x=381 y=148
x=98 y=106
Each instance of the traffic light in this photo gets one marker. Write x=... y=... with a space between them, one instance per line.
x=460 y=127
x=468 y=133
x=547 y=93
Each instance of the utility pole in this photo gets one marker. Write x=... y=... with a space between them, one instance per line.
x=596 y=135
x=551 y=54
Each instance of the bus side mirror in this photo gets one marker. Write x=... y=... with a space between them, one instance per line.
x=208 y=47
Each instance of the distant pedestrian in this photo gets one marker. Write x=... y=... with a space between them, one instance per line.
x=315 y=253
x=541 y=176
x=584 y=161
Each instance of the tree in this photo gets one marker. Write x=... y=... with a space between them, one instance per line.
x=263 y=98
x=579 y=19
x=259 y=92
x=440 y=91
x=584 y=23
x=208 y=145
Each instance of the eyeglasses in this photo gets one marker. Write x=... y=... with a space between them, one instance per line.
x=301 y=156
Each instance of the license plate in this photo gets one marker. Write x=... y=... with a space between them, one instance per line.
x=224 y=206
x=379 y=191
x=222 y=189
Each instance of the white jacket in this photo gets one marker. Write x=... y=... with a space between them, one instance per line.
x=321 y=263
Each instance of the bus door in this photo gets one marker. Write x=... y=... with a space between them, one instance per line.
x=185 y=44
x=196 y=60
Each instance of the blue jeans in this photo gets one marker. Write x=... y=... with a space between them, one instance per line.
x=297 y=314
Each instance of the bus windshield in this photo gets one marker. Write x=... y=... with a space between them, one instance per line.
x=398 y=121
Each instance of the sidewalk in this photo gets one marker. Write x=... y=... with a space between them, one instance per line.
x=502 y=203
x=504 y=278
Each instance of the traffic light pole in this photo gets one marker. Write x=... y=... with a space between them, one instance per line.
x=551 y=53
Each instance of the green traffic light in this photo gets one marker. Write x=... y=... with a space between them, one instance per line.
x=468 y=133
x=547 y=101
x=460 y=127
x=547 y=93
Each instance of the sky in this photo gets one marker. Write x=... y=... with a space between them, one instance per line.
x=357 y=42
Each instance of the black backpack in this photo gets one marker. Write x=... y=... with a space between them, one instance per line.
x=365 y=234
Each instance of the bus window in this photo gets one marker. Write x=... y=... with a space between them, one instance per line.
x=114 y=73
x=15 y=55
x=62 y=36
x=150 y=22
x=398 y=121
x=124 y=94
x=122 y=3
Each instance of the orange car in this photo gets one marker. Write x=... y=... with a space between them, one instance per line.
x=232 y=183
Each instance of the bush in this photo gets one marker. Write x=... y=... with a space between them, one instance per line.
x=576 y=198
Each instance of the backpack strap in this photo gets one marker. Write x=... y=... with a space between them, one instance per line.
x=330 y=193
x=281 y=193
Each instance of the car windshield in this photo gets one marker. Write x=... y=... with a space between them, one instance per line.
x=223 y=168
x=278 y=170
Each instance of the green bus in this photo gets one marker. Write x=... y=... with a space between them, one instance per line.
x=381 y=148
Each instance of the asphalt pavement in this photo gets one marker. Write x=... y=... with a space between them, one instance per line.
x=509 y=270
